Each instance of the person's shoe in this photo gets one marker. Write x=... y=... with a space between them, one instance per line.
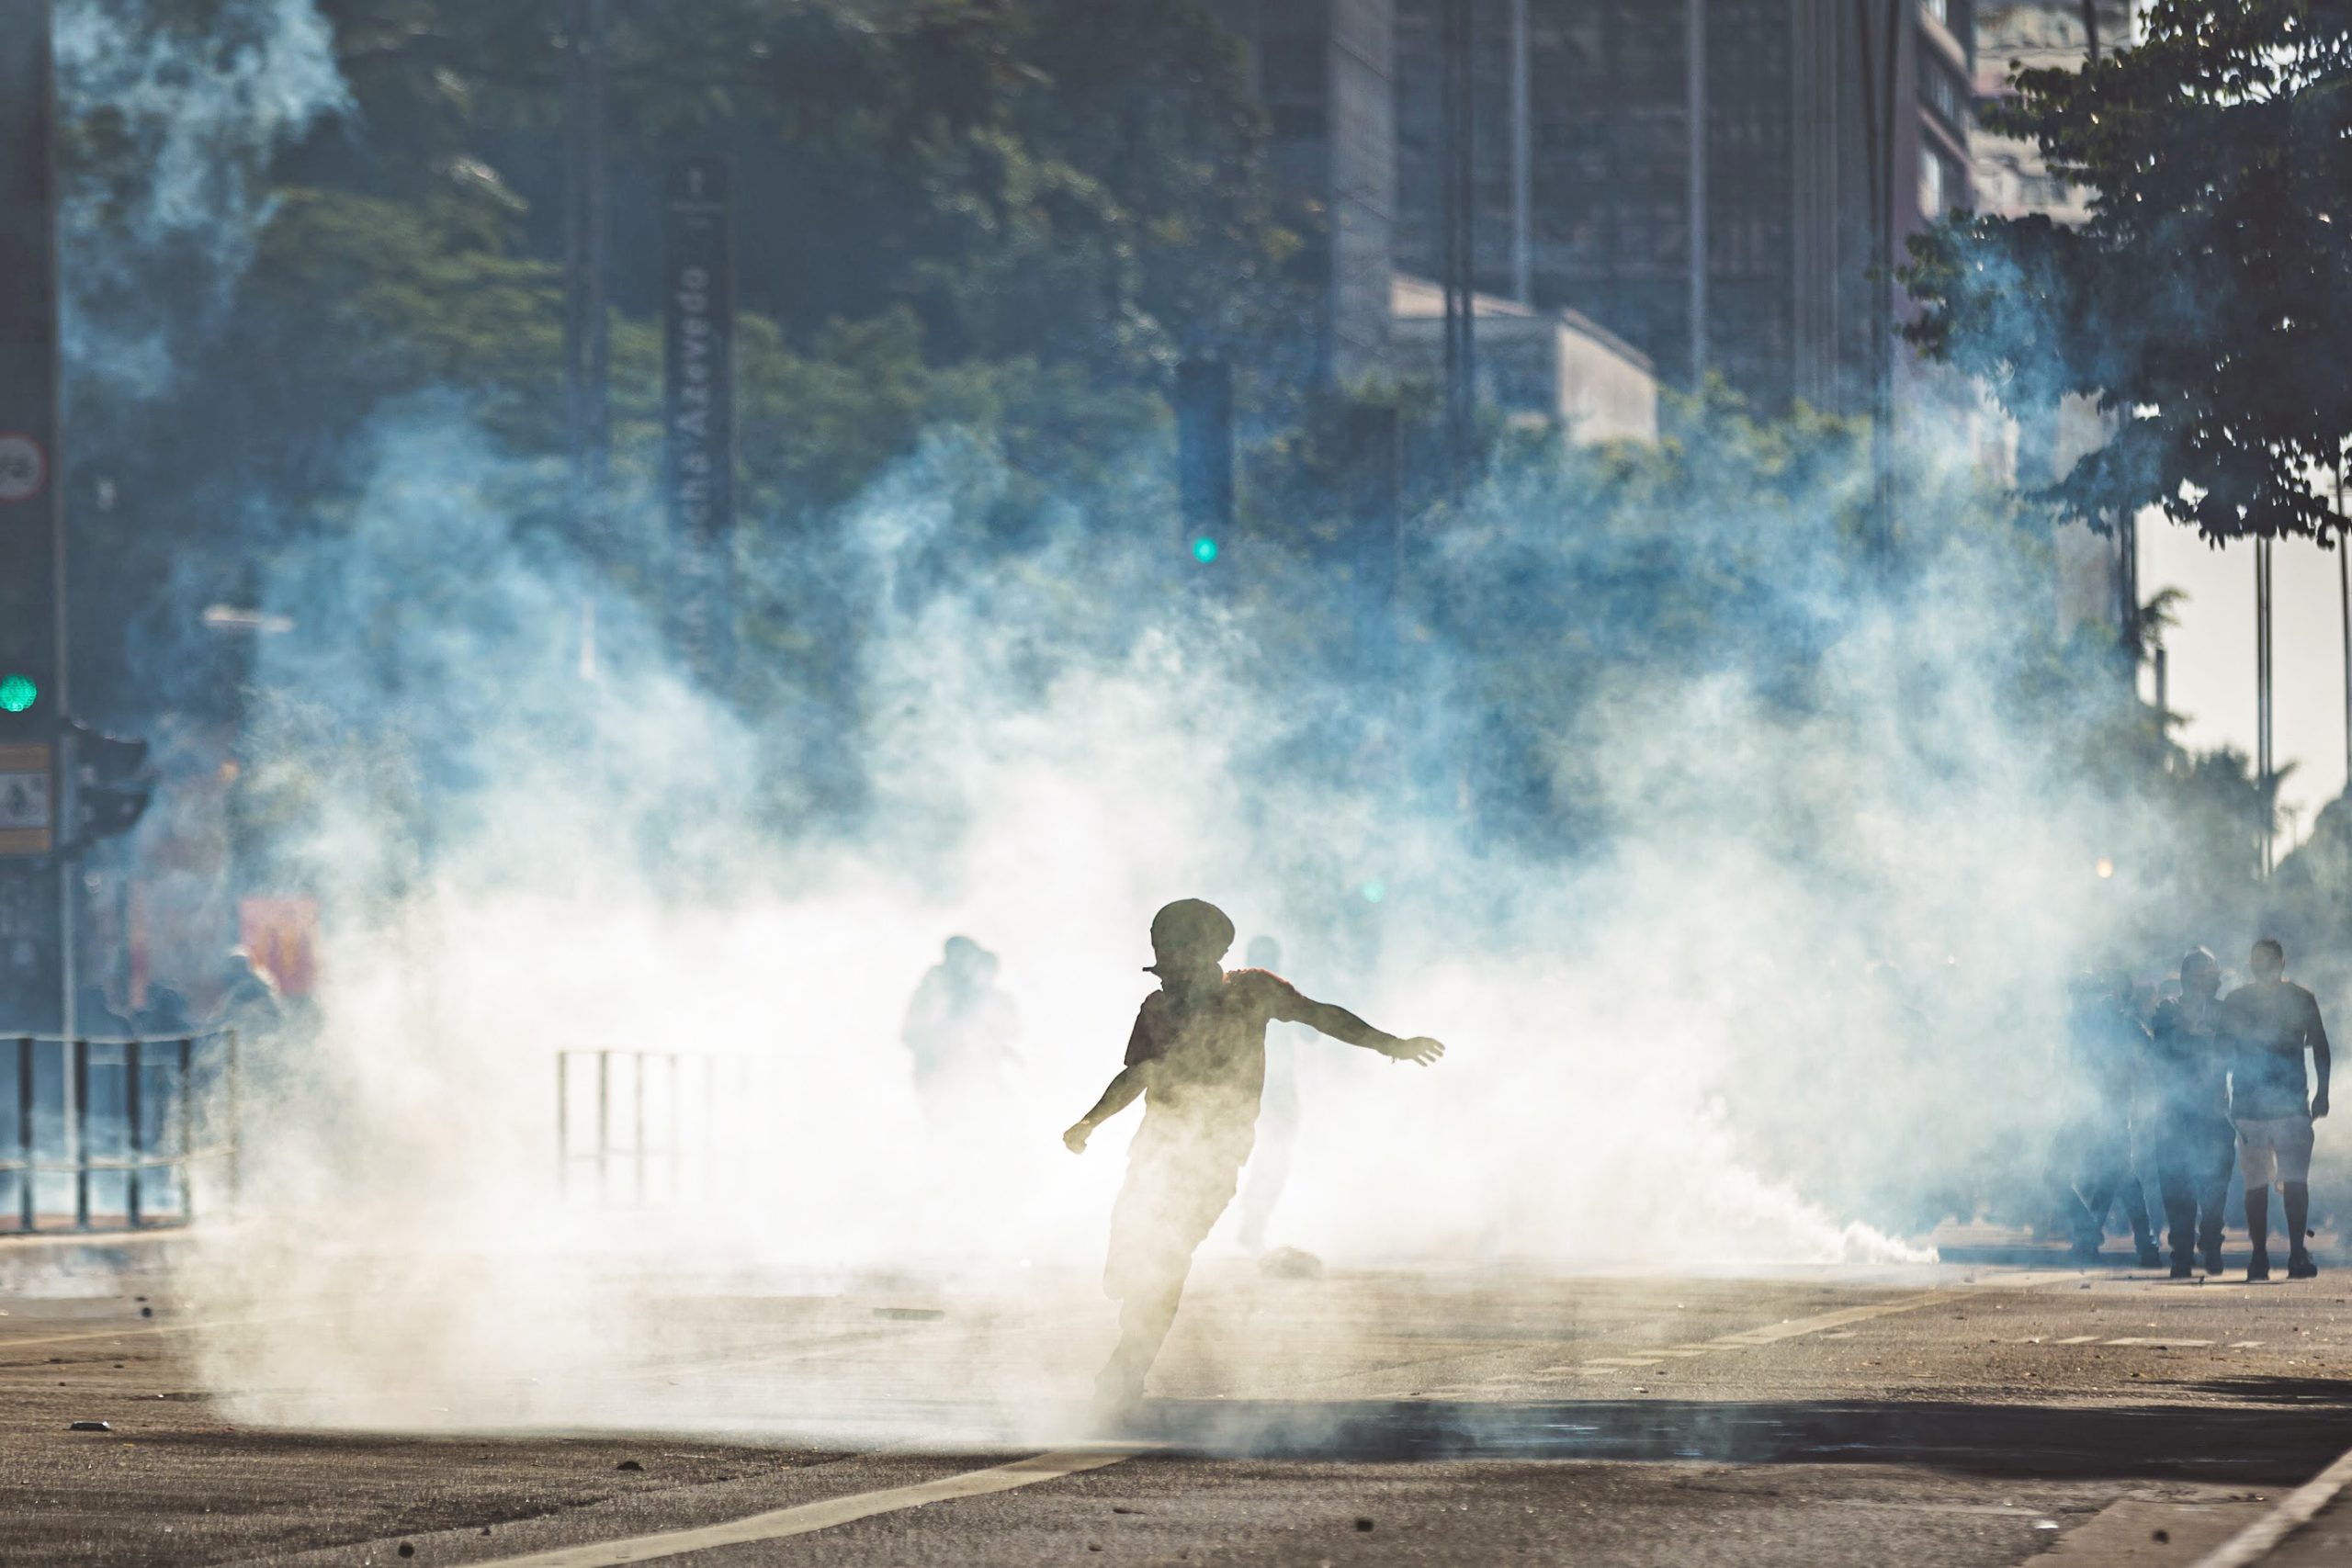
x=2085 y=1251
x=2181 y=1271
x=2259 y=1266
x=2300 y=1267
x=2213 y=1261
x=2149 y=1257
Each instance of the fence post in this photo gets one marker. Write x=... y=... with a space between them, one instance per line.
x=188 y=1131
x=28 y=1208
x=132 y=1119
x=603 y=1127
x=563 y=1123
x=643 y=1060
x=80 y=1051
x=236 y=1132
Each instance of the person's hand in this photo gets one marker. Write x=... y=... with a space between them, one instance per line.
x=2319 y=1105
x=1075 y=1139
x=1419 y=1048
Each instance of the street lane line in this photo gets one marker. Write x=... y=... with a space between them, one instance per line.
x=808 y=1518
x=1746 y=1340
x=2298 y=1508
x=2078 y=1339
x=8 y=1344
x=2166 y=1343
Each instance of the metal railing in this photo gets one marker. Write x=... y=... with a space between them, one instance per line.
x=119 y=1120
x=653 y=1125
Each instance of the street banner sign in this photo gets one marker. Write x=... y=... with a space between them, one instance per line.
x=698 y=407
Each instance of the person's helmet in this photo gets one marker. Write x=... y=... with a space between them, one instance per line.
x=1187 y=933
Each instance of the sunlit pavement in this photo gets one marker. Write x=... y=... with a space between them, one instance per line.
x=1967 y=1414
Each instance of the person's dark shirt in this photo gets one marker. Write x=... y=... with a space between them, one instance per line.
x=2107 y=1048
x=2270 y=1024
x=1209 y=1052
x=2190 y=1059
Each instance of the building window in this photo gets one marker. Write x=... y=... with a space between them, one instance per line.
x=1940 y=10
x=1943 y=186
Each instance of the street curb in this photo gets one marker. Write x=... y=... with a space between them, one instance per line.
x=2298 y=1508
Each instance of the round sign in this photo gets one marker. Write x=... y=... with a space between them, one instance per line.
x=24 y=467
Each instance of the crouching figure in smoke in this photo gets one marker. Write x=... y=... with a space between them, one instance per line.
x=1198 y=1056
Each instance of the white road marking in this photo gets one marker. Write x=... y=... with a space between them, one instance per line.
x=2078 y=1339
x=2298 y=1508
x=1748 y=1339
x=2166 y=1343
x=806 y=1517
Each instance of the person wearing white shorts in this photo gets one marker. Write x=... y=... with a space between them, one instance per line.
x=2271 y=1024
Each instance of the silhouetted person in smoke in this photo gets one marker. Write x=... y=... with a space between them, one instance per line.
x=2107 y=1050
x=960 y=1030
x=2270 y=1024
x=1269 y=1170
x=1198 y=1056
x=2189 y=1062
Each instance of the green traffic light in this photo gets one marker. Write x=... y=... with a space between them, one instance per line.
x=17 y=693
x=1204 y=549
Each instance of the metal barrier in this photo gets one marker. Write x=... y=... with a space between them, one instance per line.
x=140 y=1146
x=702 y=1106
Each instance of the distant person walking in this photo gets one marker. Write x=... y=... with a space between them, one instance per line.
x=2270 y=1024
x=2189 y=1061
x=1197 y=1057
x=2106 y=1050
x=1269 y=1170
x=961 y=1031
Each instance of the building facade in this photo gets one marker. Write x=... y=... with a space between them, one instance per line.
x=1693 y=175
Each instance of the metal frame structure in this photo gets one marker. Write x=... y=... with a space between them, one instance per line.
x=724 y=1080
x=180 y=1054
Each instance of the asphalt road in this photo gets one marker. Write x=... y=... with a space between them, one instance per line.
x=1930 y=1415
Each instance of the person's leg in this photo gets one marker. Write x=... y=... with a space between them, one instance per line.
x=2216 y=1158
x=2136 y=1208
x=2296 y=1199
x=2179 y=1198
x=1267 y=1172
x=1145 y=1317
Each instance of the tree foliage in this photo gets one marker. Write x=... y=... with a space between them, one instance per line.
x=2207 y=303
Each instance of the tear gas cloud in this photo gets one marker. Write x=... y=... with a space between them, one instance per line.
x=1785 y=994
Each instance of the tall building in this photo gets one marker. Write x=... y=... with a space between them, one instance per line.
x=1745 y=249
x=1324 y=73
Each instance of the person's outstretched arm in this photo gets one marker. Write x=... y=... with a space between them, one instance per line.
x=1347 y=1028
x=1121 y=1093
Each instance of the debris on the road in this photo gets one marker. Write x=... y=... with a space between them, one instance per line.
x=89 y=1427
x=909 y=1314
x=1290 y=1263
x=407 y=1550
x=2162 y=1536
x=628 y=1464
x=146 y=1311
x=1364 y=1524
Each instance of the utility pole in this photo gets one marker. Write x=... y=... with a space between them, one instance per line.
x=1695 y=109
x=1459 y=204
x=1523 y=158
x=587 y=348
x=2263 y=762
x=1879 y=80
x=36 y=958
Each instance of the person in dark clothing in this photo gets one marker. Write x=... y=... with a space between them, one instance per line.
x=2189 y=1062
x=1197 y=1057
x=1269 y=1170
x=2107 y=1049
x=2270 y=1024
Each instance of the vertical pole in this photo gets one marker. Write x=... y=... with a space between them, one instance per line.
x=637 y=1137
x=1695 y=108
x=1522 y=157
x=78 y=1081
x=133 y=1120
x=585 y=340
x=187 y=1119
x=563 y=1123
x=2262 y=695
x=28 y=1206
x=603 y=1127
x=237 y=1135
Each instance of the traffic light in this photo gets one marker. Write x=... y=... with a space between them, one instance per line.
x=111 y=784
